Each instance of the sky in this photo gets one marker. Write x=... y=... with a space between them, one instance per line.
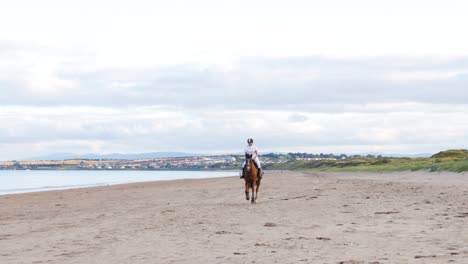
x=203 y=76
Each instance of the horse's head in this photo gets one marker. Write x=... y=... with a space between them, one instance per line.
x=250 y=167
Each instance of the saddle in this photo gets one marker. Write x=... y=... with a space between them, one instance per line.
x=260 y=172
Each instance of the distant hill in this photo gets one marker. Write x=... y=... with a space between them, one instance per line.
x=452 y=154
x=419 y=155
x=150 y=155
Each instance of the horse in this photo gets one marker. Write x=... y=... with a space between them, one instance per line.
x=252 y=181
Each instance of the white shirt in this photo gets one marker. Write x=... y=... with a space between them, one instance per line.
x=250 y=150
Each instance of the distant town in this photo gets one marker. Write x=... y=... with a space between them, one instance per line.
x=217 y=162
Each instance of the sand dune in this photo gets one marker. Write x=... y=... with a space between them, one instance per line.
x=409 y=217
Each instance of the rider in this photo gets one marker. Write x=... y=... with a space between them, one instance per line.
x=251 y=152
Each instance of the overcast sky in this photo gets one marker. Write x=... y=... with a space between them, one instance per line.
x=203 y=76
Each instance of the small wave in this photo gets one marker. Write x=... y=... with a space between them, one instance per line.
x=51 y=188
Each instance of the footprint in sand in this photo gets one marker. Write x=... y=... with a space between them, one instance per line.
x=351 y=262
x=357 y=262
x=387 y=212
x=421 y=256
x=222 y=233
x=462 y=215
x=5 y=237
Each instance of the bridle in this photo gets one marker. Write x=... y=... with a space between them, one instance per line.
x=248 y=164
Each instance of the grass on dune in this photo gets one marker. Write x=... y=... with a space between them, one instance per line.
x=451 y=160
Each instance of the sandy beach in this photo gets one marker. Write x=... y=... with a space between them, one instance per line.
x=401 y=217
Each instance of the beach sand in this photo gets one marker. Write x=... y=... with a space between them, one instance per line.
x=401 y=217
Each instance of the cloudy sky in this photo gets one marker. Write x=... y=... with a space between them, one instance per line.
x=202 y=76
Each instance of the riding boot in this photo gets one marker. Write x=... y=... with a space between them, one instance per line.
x=243 y=173
x=260 y=173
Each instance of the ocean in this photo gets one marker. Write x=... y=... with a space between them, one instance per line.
x=23 y=181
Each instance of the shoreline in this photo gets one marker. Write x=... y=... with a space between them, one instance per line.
x=63 y=180
x=312 y=217
x=127 y=184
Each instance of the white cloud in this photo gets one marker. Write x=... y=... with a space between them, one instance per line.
x=44 y=81
x=149 y=33
x=422 y=75
x=130 y=130
x=130 y=76
x=272 y=83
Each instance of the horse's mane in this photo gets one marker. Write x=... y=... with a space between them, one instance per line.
x=251 y=174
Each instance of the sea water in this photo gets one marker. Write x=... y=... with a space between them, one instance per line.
x=23 y=181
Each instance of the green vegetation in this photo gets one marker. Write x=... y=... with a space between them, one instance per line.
x=450 y=160
x=459 y=154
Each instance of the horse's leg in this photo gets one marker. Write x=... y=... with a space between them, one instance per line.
x=246 y=191
x=253 y=192
x=256 y=191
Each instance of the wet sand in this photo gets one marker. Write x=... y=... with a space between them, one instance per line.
x=402 y=217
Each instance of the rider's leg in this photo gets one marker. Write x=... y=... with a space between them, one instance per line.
x=259 y=167
x=243 y=169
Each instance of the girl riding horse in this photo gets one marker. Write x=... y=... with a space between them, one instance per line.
x=251 y=152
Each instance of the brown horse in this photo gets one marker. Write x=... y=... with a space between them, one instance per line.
x=252 y=181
